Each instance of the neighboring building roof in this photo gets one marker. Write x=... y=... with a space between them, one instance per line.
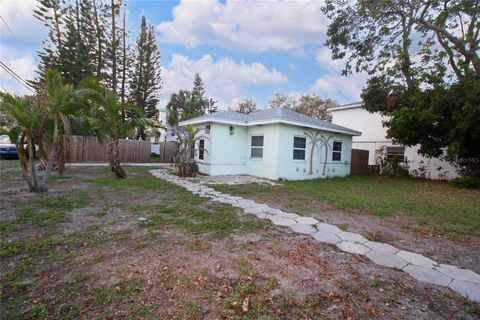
x=270 y=115
x=353 y=105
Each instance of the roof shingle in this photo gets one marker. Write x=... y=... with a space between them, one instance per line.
x=270 y=114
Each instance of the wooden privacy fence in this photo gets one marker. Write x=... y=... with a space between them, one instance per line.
x=168 y=150
x=92 y=149
x=359 y=162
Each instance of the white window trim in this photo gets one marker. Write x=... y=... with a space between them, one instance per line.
x=304 y=137
x=250 y=146
x=341 y=152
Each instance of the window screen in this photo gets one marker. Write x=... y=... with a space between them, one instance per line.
x=201 y=150
x=337 y=151
x=299 y=146
x=257 y=147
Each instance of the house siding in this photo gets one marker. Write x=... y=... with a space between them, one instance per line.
x=291 y=169
x=230 y=154
x=374 y=137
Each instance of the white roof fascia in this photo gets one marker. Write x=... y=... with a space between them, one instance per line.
x=192 y=121
x=350 y=106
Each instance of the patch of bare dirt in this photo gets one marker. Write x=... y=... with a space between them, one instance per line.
x=398 y=231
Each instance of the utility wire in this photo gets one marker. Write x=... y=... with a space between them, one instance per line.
x=16 y=76
x=16 y=38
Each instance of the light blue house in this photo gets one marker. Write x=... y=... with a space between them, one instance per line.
x=273 y=144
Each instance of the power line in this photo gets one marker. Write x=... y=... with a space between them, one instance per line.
x=16 y=38
x=16 y=76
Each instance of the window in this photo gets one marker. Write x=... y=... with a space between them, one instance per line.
x=201 y=149
x=396 y=154
x=207 y=129
x=232 y=130
x=337 y=151
x=299 y=146
x=257 y=147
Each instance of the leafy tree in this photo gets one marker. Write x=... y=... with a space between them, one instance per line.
x=146 y=82
x=315 y=107
x=310 y=105
x=377 y=37
x=441 y=120
x=246 y=106
x=283 y=100
x=423 y=58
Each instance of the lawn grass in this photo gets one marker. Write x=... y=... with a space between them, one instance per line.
x=430 y=203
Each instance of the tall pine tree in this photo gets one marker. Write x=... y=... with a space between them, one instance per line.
x=198 y=85
x=145 y=80
x=52 y=14
x=199 y=88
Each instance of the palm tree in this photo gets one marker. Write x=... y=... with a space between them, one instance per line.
x=187 y=151
x=60 y=102
x=107 y=112
x=315 y=141
x=25 y=115
x=185 y=105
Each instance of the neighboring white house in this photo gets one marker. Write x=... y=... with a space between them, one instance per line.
x=167 y=133
x=272 y=144
x=374 y=140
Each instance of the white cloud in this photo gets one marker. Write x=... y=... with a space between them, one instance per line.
x=22 y=64
x=247 y=25
x=332 y=84
x=224 y=79
x=323 y=57
x=19 y=17
x=16 y=48
x=344 y=89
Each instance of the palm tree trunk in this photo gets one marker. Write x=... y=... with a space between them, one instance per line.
x=24 y=166
x=31 y=160
x=114 y=155
x=51 y=158
x=48 y=169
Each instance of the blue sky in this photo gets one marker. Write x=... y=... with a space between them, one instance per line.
x=242 y=50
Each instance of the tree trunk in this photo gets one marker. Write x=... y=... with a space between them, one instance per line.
x=99 y=41
x=34 y=184
x=124 y=62
x=114 y=157
x=114 y=49
x=51 y=158
x=48 y=169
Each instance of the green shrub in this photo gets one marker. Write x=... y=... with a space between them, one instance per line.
x=466 y=182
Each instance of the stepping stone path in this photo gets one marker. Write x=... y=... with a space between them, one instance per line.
x=463 y=281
